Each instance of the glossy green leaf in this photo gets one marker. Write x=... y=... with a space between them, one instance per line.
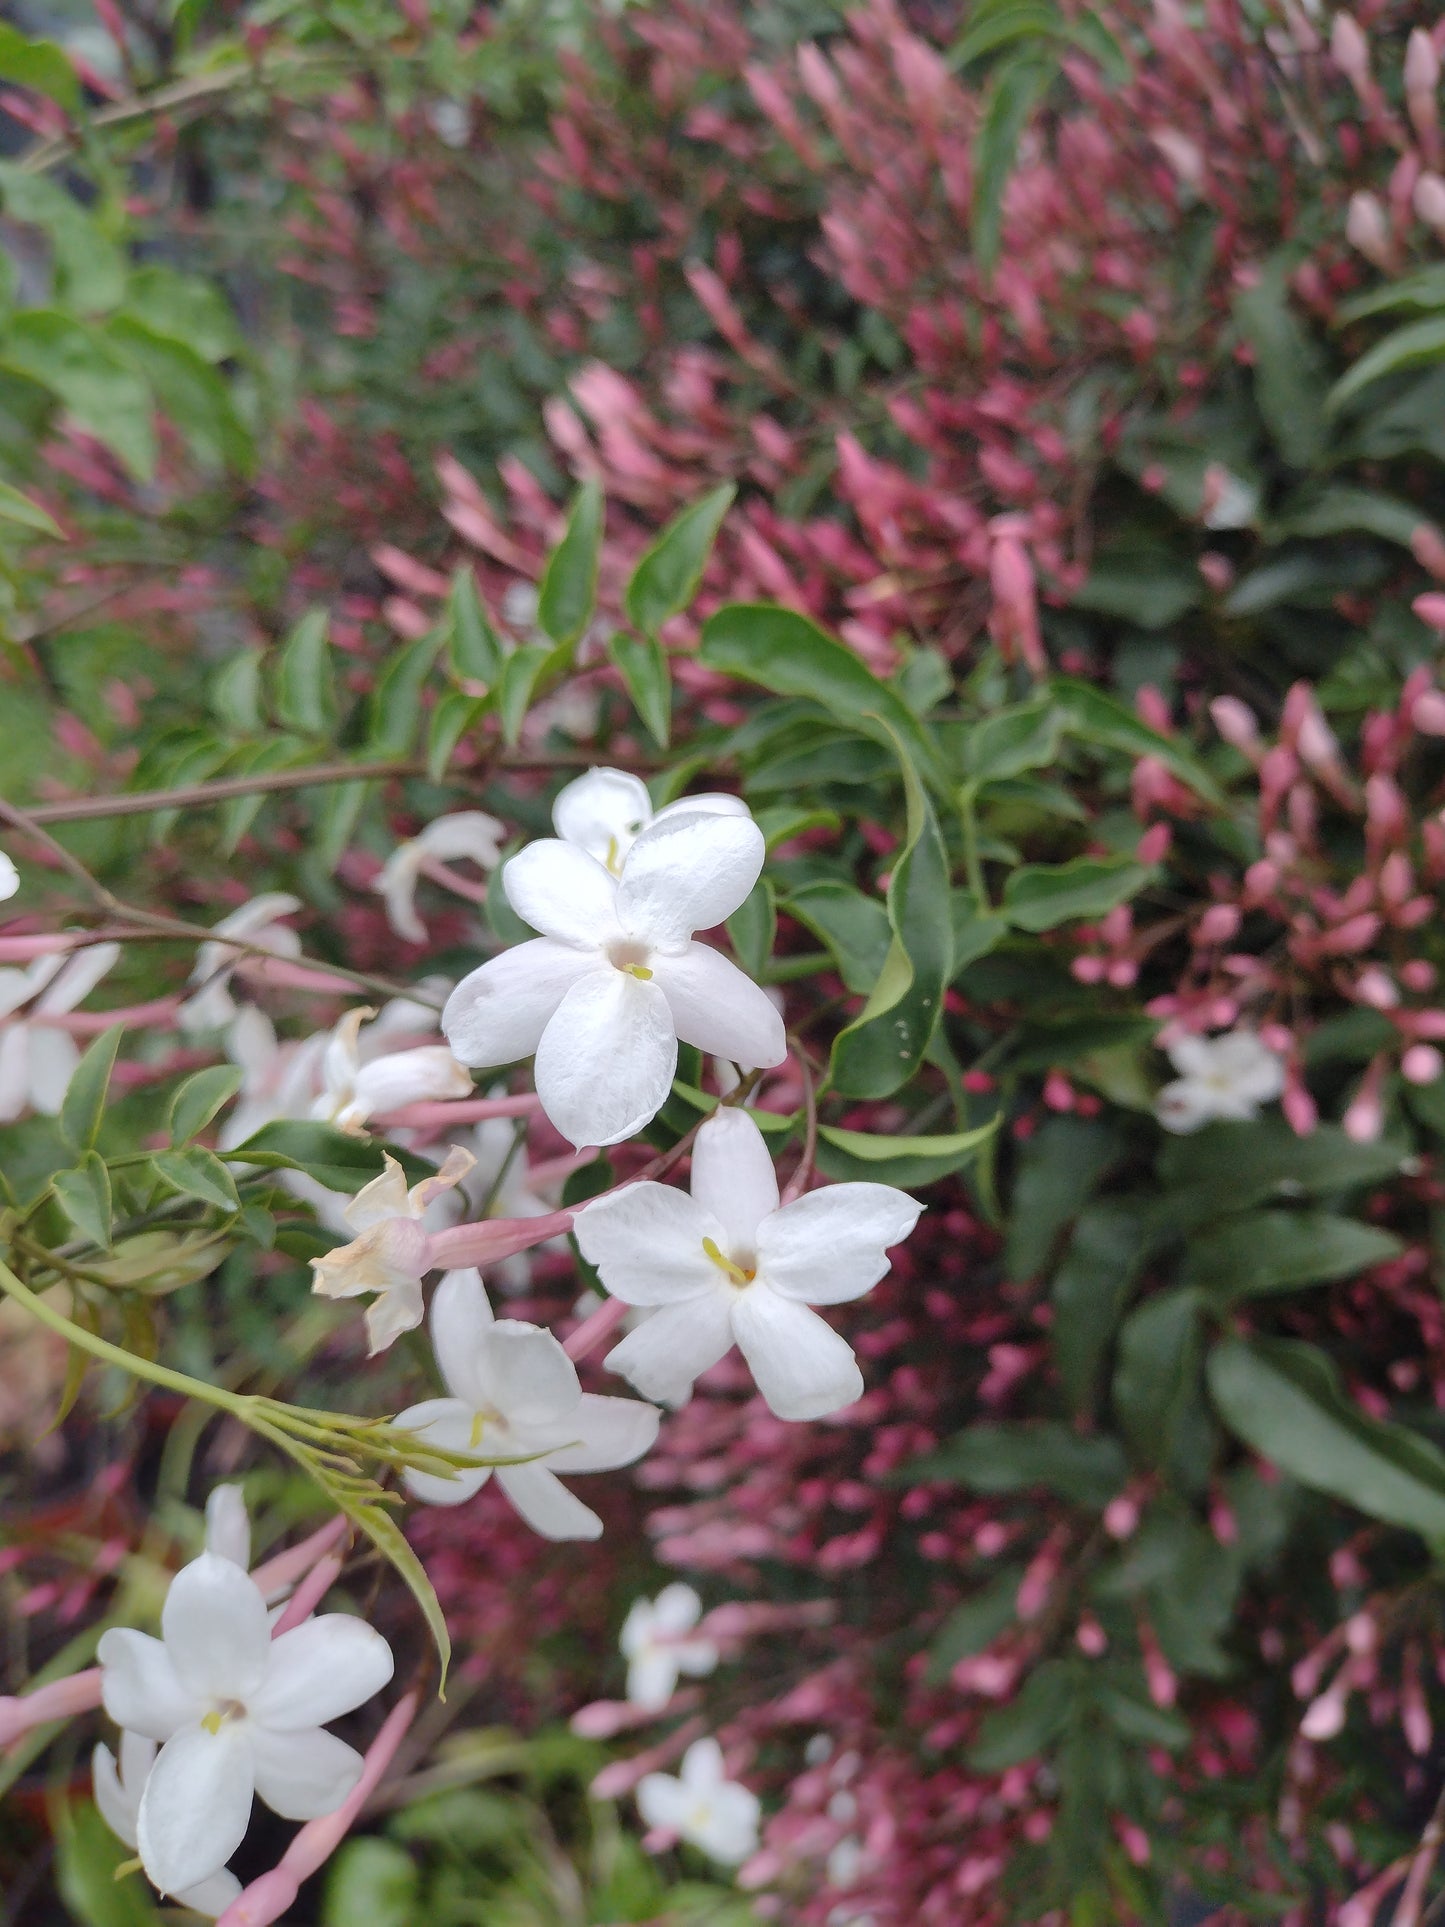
x=523 y=671
x=1015 y=1458
x=198 y=1099
x=474 y=646
x=1028 y=1724
x=1098 y=718
x=305 y=684
x=1157 y=1374
x=752 y=927
x=17 y=507
x=1041 y=896
x=198 y=1173
x=84 y=1196
x=84 y=1103
x=88 y=1857
x=1094 y=1282
x=334 y=819
x=568 y=593
x=1284 y=1399
x=1268 y=1251
x=89 y=267
x=901 y=1159
x=188 y=390
x=1424 y=290
x=454 y=716
x=990 y=28
x=340 y=1162
x=643 y=668
x=235 y=693
x=1416 y=345
x=1013 y=741
x=394 y=711
x=854 y=927
x=89 y=379
x=185 y=307
x=670 y=572
x=974 y=1626
x=40 y=65
x=1059 y=1169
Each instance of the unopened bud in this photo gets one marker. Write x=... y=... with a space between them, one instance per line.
x=1235 y=721
x=1422 y=63
x=1350 y=51
x=1422 y=1064
x=1429 y=199
x=1367 y=229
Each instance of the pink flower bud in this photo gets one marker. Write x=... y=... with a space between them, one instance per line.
x=1418 y=975
x=1422 y=63
x=1429 y=201
x=1397 y=878
x=1121 y=1517
x=1326 y=1717
x=1350 y=51
x=1219 y=924
x=1387 y=814
x=1218 y=572
x=1088 y=970
x=1427 y=545
x=1365 y=1119
x=1374 y=986
x=1367 y=227
x=1427 y=712
x=1301 y=1113
x=1422 y=1064
x=1154 y=843
x=1235 y=721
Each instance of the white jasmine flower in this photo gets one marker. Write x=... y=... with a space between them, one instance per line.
x=407 y=1016
x=702 y=1805
x=9 y=877
x=729 y=1266
x=605 y=811
x=38 y=1059
x=237 y=1713
x=513 y=1392
x=466 y=833
x=118 y=1795
x=1220 y=1077
x=391 y=1254
x=604 y=994
x=354 y=1091
x=228 y=1526
x=277 y=1080
x=212 y=1006
x=656 y=1646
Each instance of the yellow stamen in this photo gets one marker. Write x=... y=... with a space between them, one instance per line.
x=213 y=1722
x=736 y=1275
x=638 y=970
x=479 y=1425
x=127 y=1867
x=614 y=857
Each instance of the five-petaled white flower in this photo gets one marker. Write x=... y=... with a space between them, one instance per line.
x=211 y=1006
x=38 y=1058
x=237 y=1713
x=466 y=833
x=391 y=1254
x=118 y=1794
x=514 y=1394
x=356 y=1088
x=1220 y=1077
x=9 y=877
x=605 y=811
x=702 y=1805
x=728 y=1265
x=615 y=980
x=656 y=1645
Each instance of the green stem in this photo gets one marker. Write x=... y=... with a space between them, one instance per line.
x=973 y=868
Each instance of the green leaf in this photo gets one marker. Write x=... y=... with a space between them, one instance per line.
x=84 y=1197
x=339 y=1162
x=901 y=1160
x=1141 y=1720
x=670 y=572
x=334 y=818
x=1284 y=1399
x=524 y=669
x=854 y=927
x=473 y=644
x=1092 y=1285
x=372 y=1880
x=1270 y=1251
x=975 y=933
x=1015 y=1458
x=1232 y=1167
x=1029 y=1724
x=87 y=1859
x=387 y=1536
x=646 y=678
x=89 y=267
x=1140 y=582
x=198 y=1173
x=752 y=927
x=786 y=653
x=1098 y=718
x=1416 y=345
x=235 y=694
x=394 y=711
x=990 y=28
x=974 y=1626
x=40 y=65
x=238 y=813
x=1157 y=1375
x=84 y=1104
x=1041 y=896
x=1015 y=90
x=185 y=307
x=190 y=391
x=1013 y=741
x=1288 y=369
x=1059 y=1169
x=16 y=507
x=197 y=1101
x=90 y=380
x=305 y=685
x=1425 y=289
x=454 y=716
x=1343 y=511
x=884 y=1045
x=569 y=583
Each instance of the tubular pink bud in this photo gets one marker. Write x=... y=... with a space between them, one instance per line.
x=1429 y=201
x=1422 y=1064
x=1219 y=924
x=1427 y=712
x=1367 y=229
x=1350 y=51
x=1235 y=722
x=1427 y=545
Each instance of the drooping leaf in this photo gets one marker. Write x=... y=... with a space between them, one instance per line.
x=41 y=65
x=854 y=927
x=1157 y=1376
x=1416 y=345
x=669 y=573
x=1094 y=1281
x=1014 y=740
x=525 y=669
x=394 y=711
x=568 y=593
x=454 y=716
x=903 y=1160
x=752 y=927
x=1059 y=1169
x=89 y=379
x=974 y=1626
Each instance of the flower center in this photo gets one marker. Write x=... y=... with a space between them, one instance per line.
x=630 y=958
x=220 y=1715
x=735 y=1274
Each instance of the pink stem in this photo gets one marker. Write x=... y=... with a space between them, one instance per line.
x=284 y=1568
x=462 y=1110
x=449 y=880
x=281 y=972
x=90 y=1023
x=266 y=1899
x=45 y=943
x=309 y=1594
x=557 y=1170
x=61 y=1700
x=596 y=1330
x=621 y=1776
x=493 y=1238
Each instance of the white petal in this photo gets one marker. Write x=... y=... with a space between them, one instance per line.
x=707 y=802
x=17 y=987
x=447 y=1423
x=214 y=1626
x=703 y=1767
x=116 y=1806
x=646 y=1242
x=319 y=1670
x=53 y=1058
x=562 y=892
x=211 y=1897
x=396 y=885
x=663 y=1802
x=138 y=1684
x=228 y=1525
x=733 y=1176
x=688 y=872
x=546 y=1504
x=399 y=1309
x=719 y=1008
x=498 y=1013
x=410 y=1077
x=196 y=1805
x=1192 y=1056
x=673 y=1346
x=460 y=1317
x=1184 y=1106
x=14 y=1071
x=832 y=1245
x=257 y=915
x=9 y=877
x=251 y=1043
x=802 y=1367
x=79 y=977
x=302 y=1775
x=605 y=1063
x=613 y=1431
x=465 y=833
x=730 y=1831
x=529 y=1378
x=603 y=812
x=676 y=1609
x=652 y=1678
x=380 y=1198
